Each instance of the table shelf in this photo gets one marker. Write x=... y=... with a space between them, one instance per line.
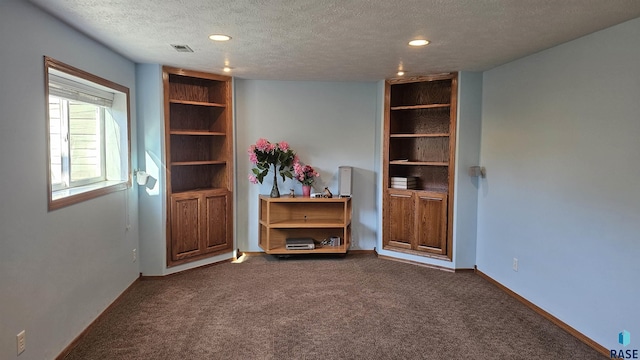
x=299 y=217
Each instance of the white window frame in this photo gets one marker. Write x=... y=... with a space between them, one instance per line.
x=67 y=82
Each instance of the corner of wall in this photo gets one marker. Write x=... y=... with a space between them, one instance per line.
x=152 y=202
x=467 y=155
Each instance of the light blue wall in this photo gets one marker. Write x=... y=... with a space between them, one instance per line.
x=59 y=269
x=152 y=202
x=379 y=141
x=328 y=124
x=467 y=155
x=561 y=143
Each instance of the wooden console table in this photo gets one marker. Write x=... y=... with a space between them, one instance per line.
x=302 y=217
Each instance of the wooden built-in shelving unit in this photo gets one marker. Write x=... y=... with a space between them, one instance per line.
x=419 y=143
x=199 y=153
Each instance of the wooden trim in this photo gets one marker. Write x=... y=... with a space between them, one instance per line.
x=453 y=128
x=386 y=130
x=362 y=252
x=417 y=107
x=300 y=199
x=90 y=327
x=84 y=196
x=430 y=266
x=252 y=253
x=203 y=256
x=47 y=124
x=385 y=143
x=392 y=247
x=195 y=73
x=561 y=324
x=349 y=252
x=405 y=80
x=161 y=277
x=167 y=154
x=465 y=270
x=58 y=65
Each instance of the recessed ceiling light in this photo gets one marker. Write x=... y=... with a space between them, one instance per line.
x=418 y=42
x=226 y=69
x=219 y=37
x=400 y=73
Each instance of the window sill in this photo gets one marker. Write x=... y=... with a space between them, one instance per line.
x=66 y=197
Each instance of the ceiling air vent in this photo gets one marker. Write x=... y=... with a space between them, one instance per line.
x=182 y=48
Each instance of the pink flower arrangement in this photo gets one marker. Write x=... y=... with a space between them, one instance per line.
x=264 y=154
x=305 y=174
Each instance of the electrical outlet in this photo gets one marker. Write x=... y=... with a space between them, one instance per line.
x=21 y=341
x=135 y=255
x=515 y=264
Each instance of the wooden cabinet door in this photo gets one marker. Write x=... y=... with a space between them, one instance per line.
x=400 y=217
x=216 y=220
x=185 y=225
x=431 y=223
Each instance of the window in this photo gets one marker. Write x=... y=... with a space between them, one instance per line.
x=76 y=132
x=87 y=134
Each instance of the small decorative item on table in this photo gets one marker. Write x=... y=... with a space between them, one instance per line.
x=264 y=155
x=306 y=175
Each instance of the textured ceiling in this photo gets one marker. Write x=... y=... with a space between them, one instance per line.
x=336 y=39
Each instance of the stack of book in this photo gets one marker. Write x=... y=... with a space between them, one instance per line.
x=398 y=182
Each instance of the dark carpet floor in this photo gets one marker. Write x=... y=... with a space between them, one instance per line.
x=356 y=307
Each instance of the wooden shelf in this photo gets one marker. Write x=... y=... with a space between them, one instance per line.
x=320 y=250
x=418 y=107
x=439 y=190
x=420 y=163
x=296 y=224
x=197 y=103
x=418 y=135
x=301 y=199
x=207 y=162
x=197 y=132
x=421 y=121
x=199 y=190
